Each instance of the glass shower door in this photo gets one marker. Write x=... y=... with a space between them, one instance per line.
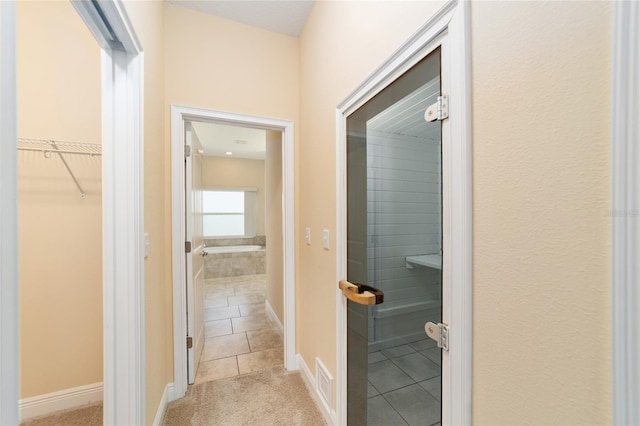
x=394 y=253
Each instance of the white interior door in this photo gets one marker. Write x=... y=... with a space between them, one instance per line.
x=195 y=259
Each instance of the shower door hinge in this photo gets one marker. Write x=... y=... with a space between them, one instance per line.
x=438 y=332
x=187 y=246
x=189 y=342
x=187 y=151
x=438 y=111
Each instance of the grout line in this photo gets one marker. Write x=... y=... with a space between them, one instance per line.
x=248 y=342
x=394 y=409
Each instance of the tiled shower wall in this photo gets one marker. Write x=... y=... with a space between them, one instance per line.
x=404 y=217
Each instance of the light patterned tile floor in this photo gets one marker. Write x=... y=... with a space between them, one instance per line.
x=239 y=337
x=404 y=381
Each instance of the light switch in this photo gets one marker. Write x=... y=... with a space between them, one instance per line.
x=307 y=236
x=146 y=245
x=325 y=239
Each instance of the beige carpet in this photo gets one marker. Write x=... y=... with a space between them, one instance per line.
x=87 y=416
x=267 y=397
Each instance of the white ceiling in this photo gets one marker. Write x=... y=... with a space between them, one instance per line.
x=281 y=16
x=243 y=142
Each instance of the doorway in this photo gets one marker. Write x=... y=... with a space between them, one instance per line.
x=234 y=270
x=394 y=234
x=233 y=297
x=60 y=206
x=122 y=183
x=404 y=235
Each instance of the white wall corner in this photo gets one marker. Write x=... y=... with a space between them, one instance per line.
x=311 y=384
x=167 y=396
x=60 y=400
x=273 y=317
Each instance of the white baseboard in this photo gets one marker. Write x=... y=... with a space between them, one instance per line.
x=272 y=316
x=65 y=399
x=310 y=381
x=167 y=396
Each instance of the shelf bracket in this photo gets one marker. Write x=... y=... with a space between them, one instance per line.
x=57 y=151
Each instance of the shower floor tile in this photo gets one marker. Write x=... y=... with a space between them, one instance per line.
x=434 y=355
x=376 y=357
x=417 y=366
x=433 y=386
x=415 y=405
x=381 y=413
x=406 y=388
x=398 y=351
x=386 y=376
x=423 y=344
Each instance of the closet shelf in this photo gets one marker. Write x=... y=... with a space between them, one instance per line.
x=49 y=147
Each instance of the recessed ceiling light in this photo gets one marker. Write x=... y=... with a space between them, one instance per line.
x=229 y=153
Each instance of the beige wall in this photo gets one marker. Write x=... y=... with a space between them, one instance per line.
x=541 y=194
x=60 y=234
x=541 y=202
x=219 y=64
x=148 y=20
x=226 y=173
x=340 y=46
x=540 y=189
x=273 y=220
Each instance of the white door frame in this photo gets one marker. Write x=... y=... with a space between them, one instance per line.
x=449 y=28
x=122 y=214
x=178 y=116
x=9 y=342
x=625 y=213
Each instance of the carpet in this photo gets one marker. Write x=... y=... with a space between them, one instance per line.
x=86 y=416
x=267 y=397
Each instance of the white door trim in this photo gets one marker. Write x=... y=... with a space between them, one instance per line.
x=122 y=211
x=625 y=213
x=122 y=191
x=178 y=116
x=9 y=346
x=451 y=25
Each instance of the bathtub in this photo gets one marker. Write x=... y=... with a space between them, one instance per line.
x=232 y=261
x=231 y=249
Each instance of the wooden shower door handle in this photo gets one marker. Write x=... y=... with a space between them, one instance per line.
x=360 y=293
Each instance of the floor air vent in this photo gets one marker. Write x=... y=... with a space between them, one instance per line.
x=324 y=384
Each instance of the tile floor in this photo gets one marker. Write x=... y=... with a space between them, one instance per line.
x=239 y=337
x=404 y=381
x=405 y=385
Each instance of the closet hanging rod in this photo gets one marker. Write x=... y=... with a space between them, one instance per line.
x=47 y=147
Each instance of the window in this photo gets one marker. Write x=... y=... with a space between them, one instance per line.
x=229 y=213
